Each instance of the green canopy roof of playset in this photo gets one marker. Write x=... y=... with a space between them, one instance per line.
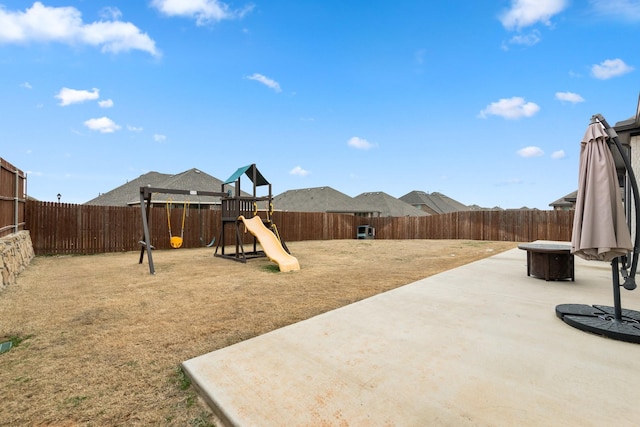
x=252 y=172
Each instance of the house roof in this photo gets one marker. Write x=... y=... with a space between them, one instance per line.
x=318 y=199
x=568 y=200
x=388 y=205
x=192 y=179
x=436 y=202
x=121 y=196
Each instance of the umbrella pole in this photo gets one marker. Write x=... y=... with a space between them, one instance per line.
x=617 y=305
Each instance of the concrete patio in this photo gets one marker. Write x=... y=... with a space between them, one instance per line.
x=478 y=345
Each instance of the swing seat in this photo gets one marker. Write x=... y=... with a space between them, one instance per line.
x=176 y=242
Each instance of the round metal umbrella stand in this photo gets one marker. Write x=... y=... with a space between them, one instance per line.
x=601 y=233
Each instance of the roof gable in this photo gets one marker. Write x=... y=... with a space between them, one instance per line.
x=566 y=201
x=388 y=205
x=435 y=202
x=122 y=195
x=318 y=199
x=192 y=179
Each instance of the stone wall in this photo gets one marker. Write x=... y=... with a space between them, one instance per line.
x=16 y=252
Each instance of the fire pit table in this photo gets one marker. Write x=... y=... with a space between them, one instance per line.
x=549 y=261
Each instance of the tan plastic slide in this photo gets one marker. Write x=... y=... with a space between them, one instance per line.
x=270 y=244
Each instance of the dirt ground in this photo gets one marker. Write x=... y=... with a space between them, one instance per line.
x=98 y=340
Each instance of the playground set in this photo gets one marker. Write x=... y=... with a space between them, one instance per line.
x=237 y=211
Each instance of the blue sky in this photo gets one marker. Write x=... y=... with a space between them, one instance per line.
x=484 y=101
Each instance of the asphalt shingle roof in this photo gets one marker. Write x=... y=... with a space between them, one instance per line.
x=121 y=196
x=317 y=199
x=565 y=201
x=435 y=202
x=388 y=205
x=192 y=179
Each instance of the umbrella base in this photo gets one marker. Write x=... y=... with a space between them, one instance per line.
x=601 y=320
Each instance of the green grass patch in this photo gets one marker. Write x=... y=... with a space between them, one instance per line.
x=183 y=382
x=270 y=268
x=7 y=343
x=182 y=379
x=75 y=401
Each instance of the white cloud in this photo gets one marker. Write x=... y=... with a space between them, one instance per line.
x=574 y=98
x=530 y=151
x=134 y=128
x=26 y=85
x=265 y=81
x=610 y=68
x=512 y=108
x=102 y=125
x=560 y=154
x=203 y=11
x=299 y=171
x=110 y=13
x=41 y=23
x=116 y=37
x=524 y=13
x=359 y=143
x=159 y=137
x=107 y=103
x=73 y=96
x=627 y=10
x=529 y=39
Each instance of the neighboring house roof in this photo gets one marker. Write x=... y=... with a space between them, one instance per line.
x=318 y=199
x=388 y=205
x=480 y=208
x=121 y=196
x=192 y=179
x=567 y=201
x=435 y=203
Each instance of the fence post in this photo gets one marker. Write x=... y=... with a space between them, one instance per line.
x=16 y=218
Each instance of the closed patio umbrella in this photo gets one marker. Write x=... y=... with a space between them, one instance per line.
x=601 y=232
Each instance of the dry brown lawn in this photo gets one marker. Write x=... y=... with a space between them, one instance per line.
x=99 y=341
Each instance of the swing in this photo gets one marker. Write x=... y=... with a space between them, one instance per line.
x=176 y=241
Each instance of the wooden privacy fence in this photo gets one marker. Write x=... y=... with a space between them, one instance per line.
x=496 y=225
x=58 y=228
x=12 y=198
